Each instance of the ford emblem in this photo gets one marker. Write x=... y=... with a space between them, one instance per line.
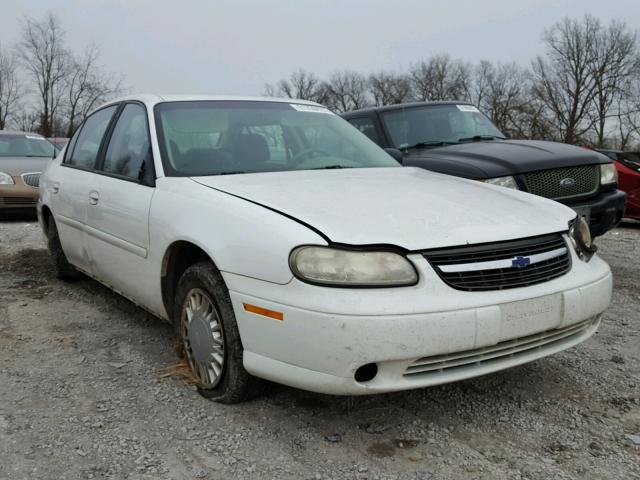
x=567 y=182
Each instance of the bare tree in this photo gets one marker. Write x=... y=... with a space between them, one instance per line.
x=26 y=120
x=9 y=87
x=42 y=53
x=504 y=95
x=564 y=81
x=388 y=88
x=300 y=84
x=87 y=85
x=615 y=60
x=346 y=90
x=627 y=113
x=440 y=78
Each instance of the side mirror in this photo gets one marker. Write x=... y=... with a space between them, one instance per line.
x=395 y=154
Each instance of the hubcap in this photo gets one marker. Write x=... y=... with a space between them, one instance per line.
x=203 y=337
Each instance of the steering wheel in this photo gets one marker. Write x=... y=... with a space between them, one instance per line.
x=297 y=158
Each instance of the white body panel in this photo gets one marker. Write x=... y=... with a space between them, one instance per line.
x=248 y=225
x=117 y=235
x=408 y=207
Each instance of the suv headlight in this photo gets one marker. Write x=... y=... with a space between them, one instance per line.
x=351 y=268
x=580 y=236
x=608 y=174
x=5 y=179
x=508 y=182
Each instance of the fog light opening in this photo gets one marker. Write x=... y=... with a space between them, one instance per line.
x=366 y=372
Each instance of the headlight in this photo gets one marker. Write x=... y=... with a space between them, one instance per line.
x=508 y=182
x=580 y=235
x=5 y=179
x=351 y=268
x=608 y=174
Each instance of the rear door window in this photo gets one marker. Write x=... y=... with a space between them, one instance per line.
x=87 y=146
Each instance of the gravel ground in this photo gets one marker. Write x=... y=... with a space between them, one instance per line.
x=90 y=388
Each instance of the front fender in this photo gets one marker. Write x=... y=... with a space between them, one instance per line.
x=240 y=237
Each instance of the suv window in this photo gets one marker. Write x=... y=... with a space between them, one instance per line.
x=129 y=146
x=366 y=126
x=86 y=148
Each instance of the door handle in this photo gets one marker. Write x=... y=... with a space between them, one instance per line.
x=94 y=197
x=55 y=188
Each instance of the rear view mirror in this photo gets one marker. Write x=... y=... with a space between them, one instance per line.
x=395 y=153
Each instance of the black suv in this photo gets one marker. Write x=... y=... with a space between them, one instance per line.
x=457 y=139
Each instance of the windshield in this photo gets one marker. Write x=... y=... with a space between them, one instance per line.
x=436 y=125
x=25 y=146
x=228 y=137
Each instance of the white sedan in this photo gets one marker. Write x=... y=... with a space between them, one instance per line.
x=285 y=245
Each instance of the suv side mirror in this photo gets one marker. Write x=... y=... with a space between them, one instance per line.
x=395 y=154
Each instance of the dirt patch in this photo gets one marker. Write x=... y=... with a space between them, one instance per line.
x=92 y=388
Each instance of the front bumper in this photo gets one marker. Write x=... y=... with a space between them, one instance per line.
x=18 y=197
x=327 y=333
x=606 y=211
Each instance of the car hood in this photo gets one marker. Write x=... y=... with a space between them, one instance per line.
x=17 y=165
x=406 y=207
x=497 y=158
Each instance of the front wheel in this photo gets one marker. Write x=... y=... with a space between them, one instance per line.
x=209 y=336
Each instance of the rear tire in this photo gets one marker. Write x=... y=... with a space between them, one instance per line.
x=209 y=336
x=64 y=270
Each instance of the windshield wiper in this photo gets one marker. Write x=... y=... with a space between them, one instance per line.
x=429 y=143
x=329 y=167
x=479 y=138
x=229 y=173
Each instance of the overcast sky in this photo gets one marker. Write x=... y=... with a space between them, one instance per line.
x=235 y=46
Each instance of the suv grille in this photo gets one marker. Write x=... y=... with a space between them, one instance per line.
x=31 y=179
x=497 y=266
x=565 y=182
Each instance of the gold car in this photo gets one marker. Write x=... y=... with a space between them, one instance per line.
x=23 y=156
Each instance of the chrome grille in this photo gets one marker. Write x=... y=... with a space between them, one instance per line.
x=558 y=183
x=31 y=179
x=494 y=353
x=498 y=266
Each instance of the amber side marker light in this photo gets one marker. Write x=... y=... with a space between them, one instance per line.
x=263 y=311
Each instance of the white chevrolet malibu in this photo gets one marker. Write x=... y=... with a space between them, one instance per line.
x=284 y=245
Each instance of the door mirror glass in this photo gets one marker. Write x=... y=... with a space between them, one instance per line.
x=395 y=153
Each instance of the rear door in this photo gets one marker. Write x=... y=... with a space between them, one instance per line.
x=72 y=183
x=118 y=214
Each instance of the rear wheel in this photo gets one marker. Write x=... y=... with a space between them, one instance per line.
x=209 y=336
x=64 y=270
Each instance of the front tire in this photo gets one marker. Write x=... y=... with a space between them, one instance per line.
x=209 y=336
x=64 y=270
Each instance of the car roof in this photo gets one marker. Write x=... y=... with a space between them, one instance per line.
x=153 y=99
x=17 y=132
x=399 y=106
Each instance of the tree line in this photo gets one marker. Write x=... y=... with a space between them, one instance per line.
x=584 y=88
x=45 y=86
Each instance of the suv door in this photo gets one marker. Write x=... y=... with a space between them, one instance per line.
x=118 y=215
x=71 y=185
